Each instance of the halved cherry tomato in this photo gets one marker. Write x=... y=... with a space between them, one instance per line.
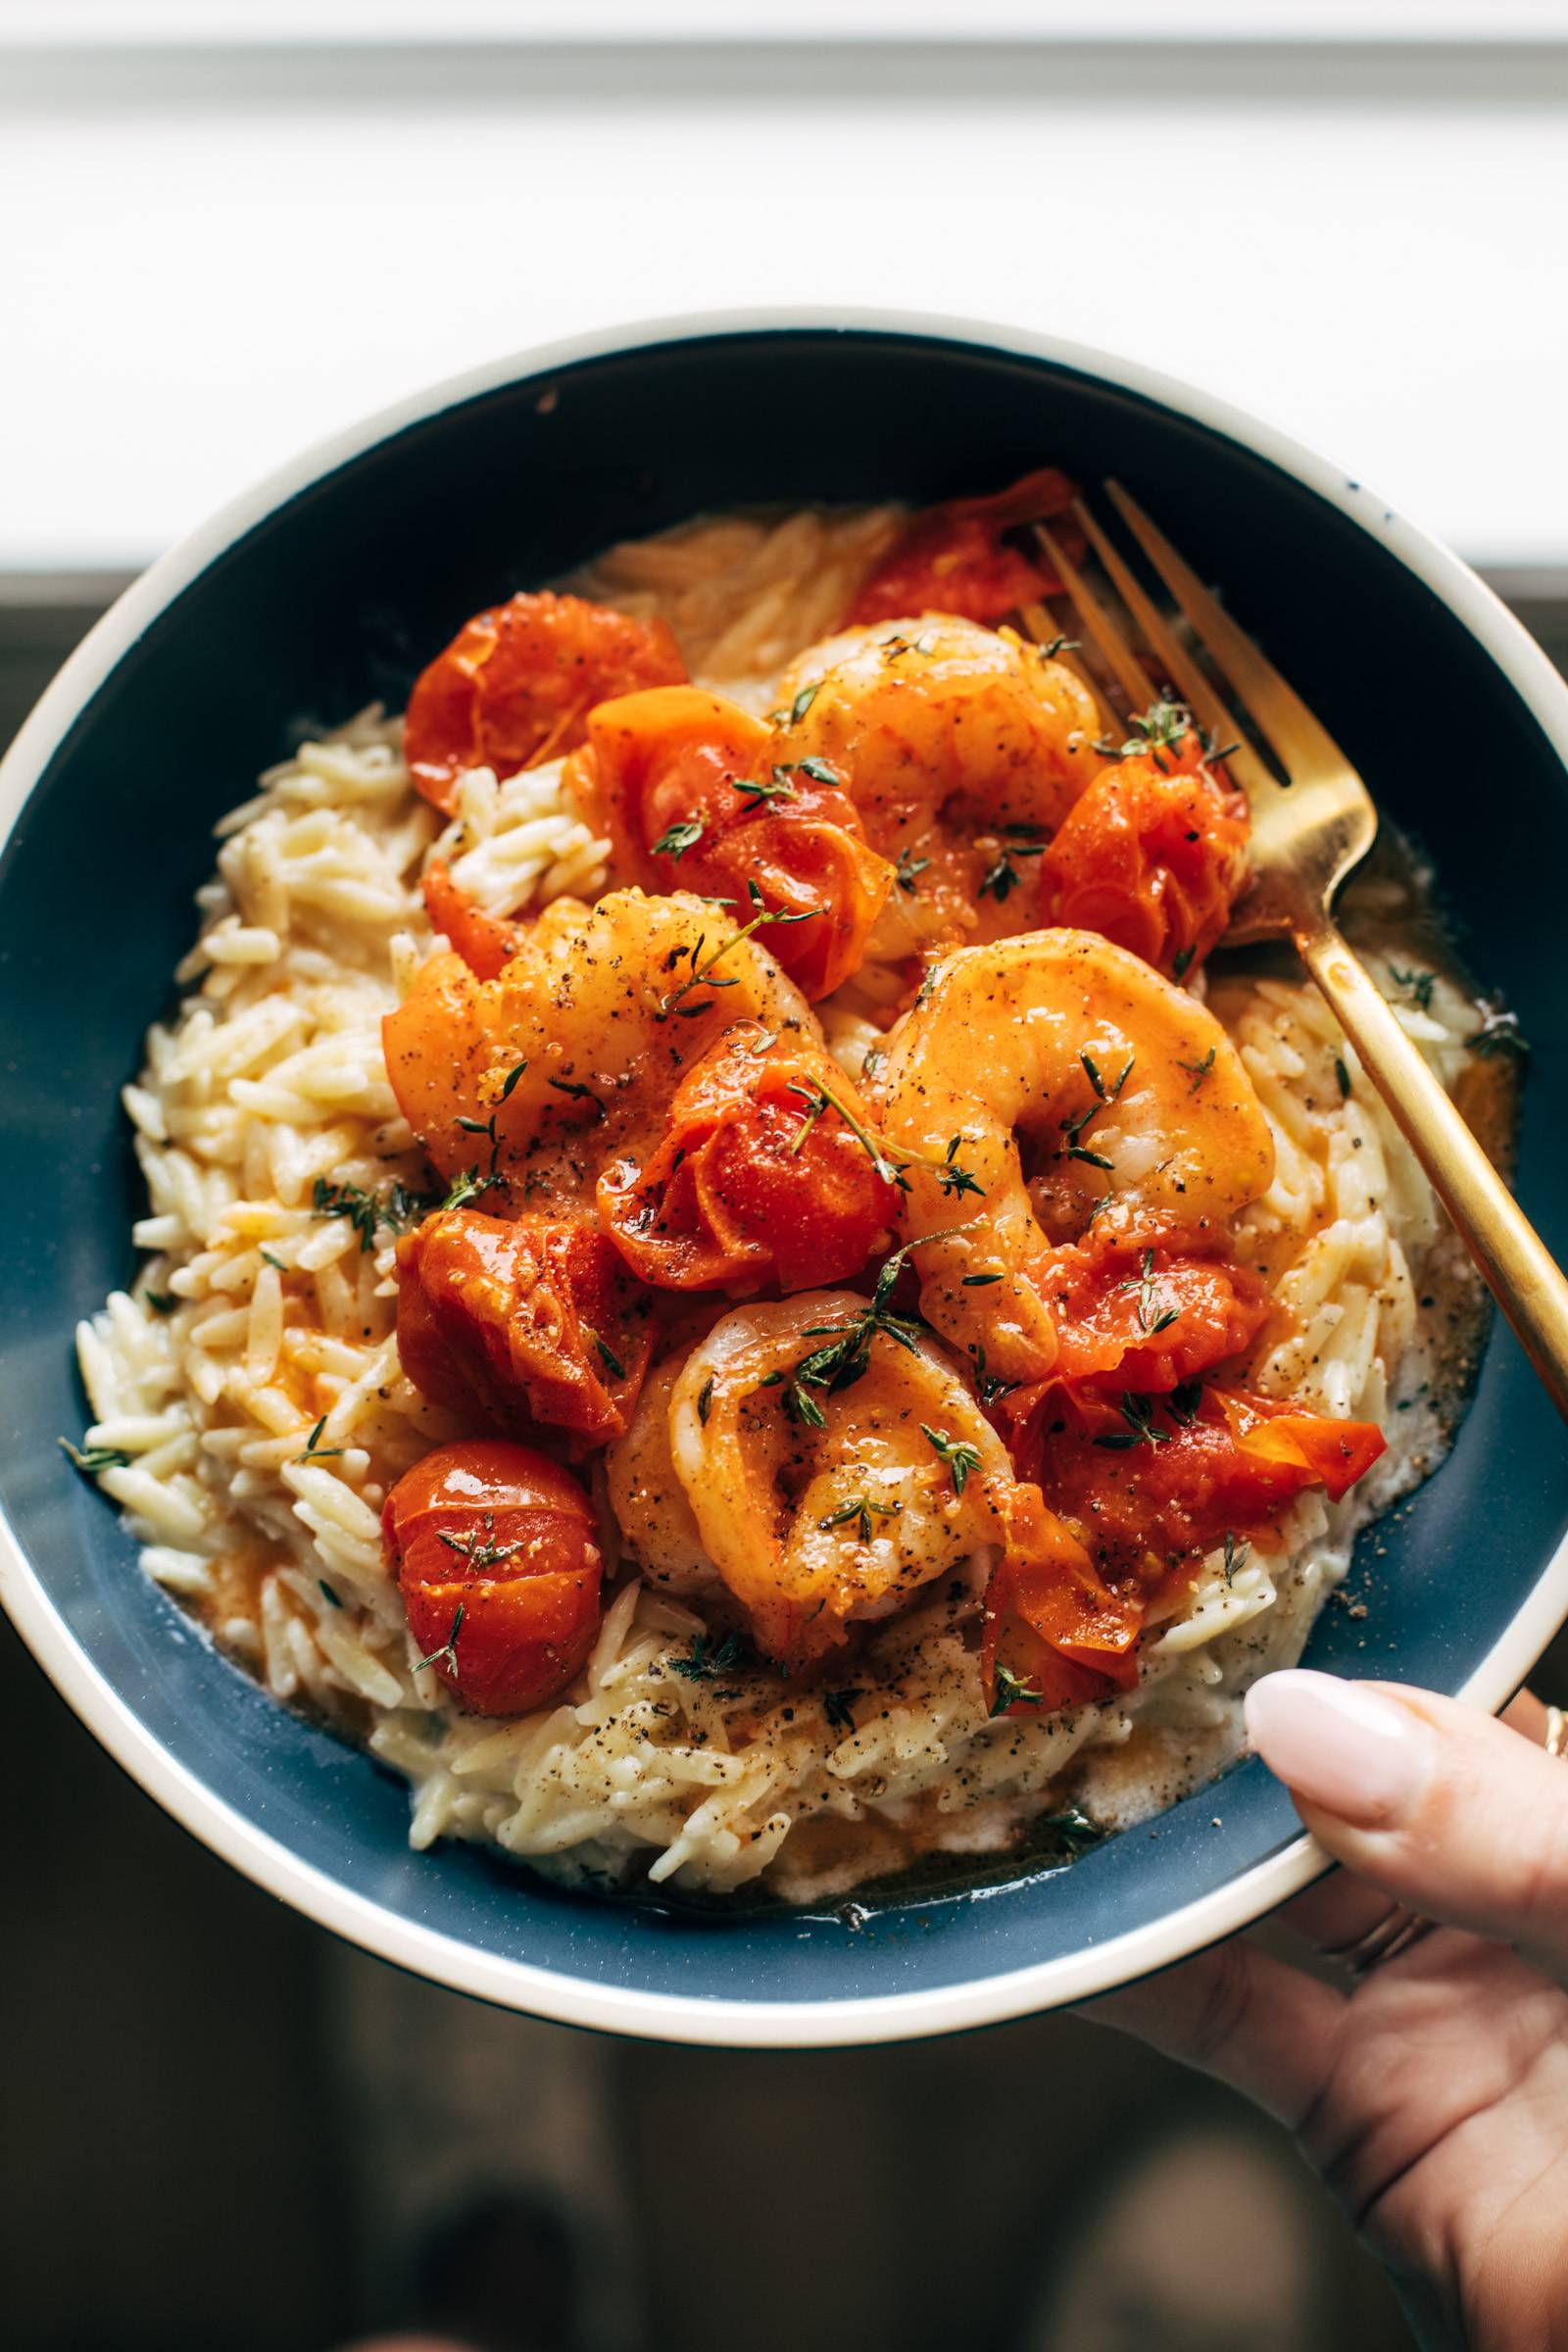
x=515 y=685
x=759 y=1177
x=1056 y=1633
x=513 y=1324
x=487 y=942
x=493 y=1551
x=1149 y=1483
x=1152 y=1316
x=687 y=785
x=1152 y=857
x=953 y=558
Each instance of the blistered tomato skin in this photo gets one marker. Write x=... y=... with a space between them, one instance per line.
x=515 y=685
x=1154 y=857
x=513 y=1323
x=695 y=796
x=760 y=1176
x=493 y=1550
x=1151 y=1483
x=954 y=559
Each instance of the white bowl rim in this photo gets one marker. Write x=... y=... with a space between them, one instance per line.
x=518 y=1985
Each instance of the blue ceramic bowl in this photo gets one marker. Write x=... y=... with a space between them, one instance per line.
x=327 y=586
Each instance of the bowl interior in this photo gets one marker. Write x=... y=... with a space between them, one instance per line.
x=337 y=597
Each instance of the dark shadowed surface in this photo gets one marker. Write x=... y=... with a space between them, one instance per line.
x=338 y=597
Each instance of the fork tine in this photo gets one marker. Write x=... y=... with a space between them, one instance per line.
x=1278 y=711
x=1118 y=654
x=1183 y=671
x=1040 y=625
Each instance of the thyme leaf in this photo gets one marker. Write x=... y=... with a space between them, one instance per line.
x=314 y=1452
x=92 y=1458
x=1141 y=1427
x=447 y=1654
x=960 y=1456
x=859 y=1512
x=681 y=837
x=1012 y=1691
x=702 y=1664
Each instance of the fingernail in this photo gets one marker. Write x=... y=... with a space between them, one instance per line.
x=1349 y=1750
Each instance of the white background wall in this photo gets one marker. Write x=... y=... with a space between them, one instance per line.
x=217 y=249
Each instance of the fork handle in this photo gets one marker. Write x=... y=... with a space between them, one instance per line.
x=1521 y=1272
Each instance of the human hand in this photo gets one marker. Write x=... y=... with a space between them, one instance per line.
x=1431 y=2096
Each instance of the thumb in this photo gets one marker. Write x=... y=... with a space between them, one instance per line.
x=1450 y=1812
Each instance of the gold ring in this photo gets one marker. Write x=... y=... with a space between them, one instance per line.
x=1395 y=1933
x=1555 y=1742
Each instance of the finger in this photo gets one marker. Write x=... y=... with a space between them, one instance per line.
x=1337 y=1912
x=1241 y=2014
x=1445 y=1810
x=1526 y=1715
x=1340 y=1911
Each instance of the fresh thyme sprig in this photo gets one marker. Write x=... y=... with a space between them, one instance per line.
x=847 y=1355
x=1148 y=1320
x=1141 y=1427
x=859 y=1513
x=757 y=789
x=701 y=973
x=960 y=1456
x=1237 y=1556
x=990 y=1386
x=398 y=1209
x=314 y=1452
x=1073 y=1128
x=1160 y=727
x=909 y=868
x=1003 y=877
x=681 y=837
x=448 y=1652
x=952 y=1178
x=1418 y=986
x=839 y=1708
x=701 y=1664
x=478 y=1548
x=468 y=1186
x=1197 y=1071
x=1012 y=1691
x=92 y=1458
x=578 y=1092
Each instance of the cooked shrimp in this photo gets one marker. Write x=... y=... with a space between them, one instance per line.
x=656 y=1520
x=1131 y=1101
x=961 y=747
x=572 y=1054
x=823 y=1506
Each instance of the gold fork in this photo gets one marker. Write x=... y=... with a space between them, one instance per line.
x=1307 y=834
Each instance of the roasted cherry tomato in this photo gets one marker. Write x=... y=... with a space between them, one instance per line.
x=1152 y=1316
x=516 y=686
x=1149 y=1484
x=1153 y=856
x=1057 y=1635
x=764 y=1174
x=522 y=1323
x=954 y=559
x=687 y=785
x=493 y=1551
x=487 y=942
